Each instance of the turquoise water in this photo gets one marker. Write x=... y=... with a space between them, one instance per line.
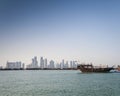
x=58 y=83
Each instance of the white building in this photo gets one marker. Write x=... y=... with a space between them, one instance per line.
x=45 y=63
x=41 y=62
x=34 y=63
x=71 y=64
x=74 y=64
x=62 y=64
x=14 y=65
x=51 y=64
x=66 y=65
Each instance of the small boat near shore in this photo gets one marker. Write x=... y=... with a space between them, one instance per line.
x=87 y=68
x=116 y=70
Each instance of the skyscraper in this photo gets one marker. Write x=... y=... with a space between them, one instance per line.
x=66 y=64
x=45 y=63
x=62 y=64
x=51 y=64
x=74 y=64
x=34 y=63
x=71 y=64
x=41 y=62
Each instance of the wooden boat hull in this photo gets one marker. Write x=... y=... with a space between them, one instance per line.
x=90 y=68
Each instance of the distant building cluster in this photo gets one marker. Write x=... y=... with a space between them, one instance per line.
x=43 y=64
x=34 y=63
x=14 y=65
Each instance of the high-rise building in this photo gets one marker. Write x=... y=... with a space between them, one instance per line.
x=45 y=63
x=41 y=62
x=14 y=65
x=62 y=64
x=66 y=65
x=34 y=63
x=71 y=64
x=74 y=64
x=51 y=64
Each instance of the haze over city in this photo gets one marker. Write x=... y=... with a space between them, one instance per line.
x=82 y=30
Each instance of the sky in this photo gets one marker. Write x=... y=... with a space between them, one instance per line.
x=82 y=30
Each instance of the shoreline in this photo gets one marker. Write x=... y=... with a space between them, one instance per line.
x=5 y=69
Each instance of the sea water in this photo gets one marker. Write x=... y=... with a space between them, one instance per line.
x=58 y=83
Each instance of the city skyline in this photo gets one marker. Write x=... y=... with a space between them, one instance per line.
x=43 y=63
x=84 y=30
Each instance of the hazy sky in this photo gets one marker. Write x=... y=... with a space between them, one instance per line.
x=84 y=30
